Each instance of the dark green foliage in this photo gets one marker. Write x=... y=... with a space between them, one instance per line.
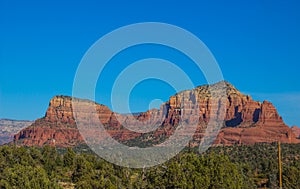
x=262 y=164
x=23 y=168
x=69 y=157
x=221 y=167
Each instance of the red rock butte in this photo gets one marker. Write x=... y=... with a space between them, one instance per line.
x=246 y=121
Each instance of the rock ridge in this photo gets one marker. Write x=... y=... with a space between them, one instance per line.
x=246 y=121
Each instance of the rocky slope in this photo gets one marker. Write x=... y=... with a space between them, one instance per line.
x=244 y=121
x=8 y=128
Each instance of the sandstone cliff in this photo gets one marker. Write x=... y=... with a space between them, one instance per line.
x=245 y=121
x=296 y=131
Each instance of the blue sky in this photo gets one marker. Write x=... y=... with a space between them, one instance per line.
x=256 y=44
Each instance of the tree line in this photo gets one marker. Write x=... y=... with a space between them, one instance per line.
x=234 y=167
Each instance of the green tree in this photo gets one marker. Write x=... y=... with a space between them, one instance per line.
x=69 y=158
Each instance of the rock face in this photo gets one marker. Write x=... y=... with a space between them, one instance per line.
x=296 y=131
x=244 y=121
x=8 y=128
x=58 y=127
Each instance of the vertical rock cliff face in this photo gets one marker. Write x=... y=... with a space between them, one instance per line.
x=244 y=121
x=56 y=128
x=60 y=112
x=249 y=122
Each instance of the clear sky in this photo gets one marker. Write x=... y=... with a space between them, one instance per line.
x=256 y=44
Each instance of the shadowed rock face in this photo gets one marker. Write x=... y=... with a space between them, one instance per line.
x=245 y=121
